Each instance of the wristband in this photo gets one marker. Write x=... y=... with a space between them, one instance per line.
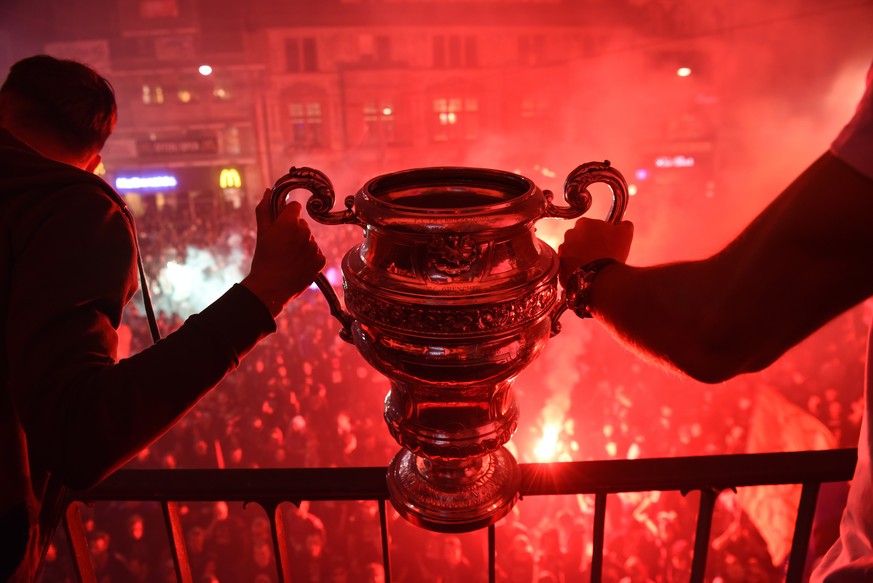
x=579 y=286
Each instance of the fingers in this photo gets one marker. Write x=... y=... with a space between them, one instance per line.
x=592 y=239
x=264 y=212
x=318 y=258
x=292 y=208
x=626 y=229
x=297 y=228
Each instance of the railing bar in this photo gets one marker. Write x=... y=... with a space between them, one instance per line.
x=598 y=537
x=802 y=532
x=600 y=478
x=492 y=554
x=368 y=483
x=687 y=473
x=708 y=497
x=386 y=549
x=314 y=484
x=280 y=541
x=178 y=548
x=79 y=544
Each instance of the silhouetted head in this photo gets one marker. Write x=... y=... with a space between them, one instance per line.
x=44 y=97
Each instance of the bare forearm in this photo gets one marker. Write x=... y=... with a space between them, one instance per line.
x=663 y=313
x=804 y=260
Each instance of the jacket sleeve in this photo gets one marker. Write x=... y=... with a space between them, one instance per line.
x=85 y=414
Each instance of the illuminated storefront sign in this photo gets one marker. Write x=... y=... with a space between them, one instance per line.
x=193 y=146
x=678 y=161
x=229 y=178
x=145 y=182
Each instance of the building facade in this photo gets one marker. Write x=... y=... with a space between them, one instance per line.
x=218 y=99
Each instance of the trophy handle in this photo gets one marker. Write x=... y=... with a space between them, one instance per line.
x=319 y=208
x=577 y=196
x=319 y=204
x=336 y=309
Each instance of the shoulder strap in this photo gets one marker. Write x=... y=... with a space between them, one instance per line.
x=146 y=297
x=144 y=286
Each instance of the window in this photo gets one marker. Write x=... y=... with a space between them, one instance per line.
x=310 y=63
x=307 y=124
x=471 y=51
x=455 y=118
x=383 y=49
x=455 y=51
x=152 y=94
x=534 y=112
x=532 y=49
x=301 y=55
x=379 y=123
x=231 y=141
x=374 y=48
x=439 y=52
x=292 y=55
x=534 y=108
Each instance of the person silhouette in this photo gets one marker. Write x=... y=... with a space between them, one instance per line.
x=70 y=411
x=805 y=259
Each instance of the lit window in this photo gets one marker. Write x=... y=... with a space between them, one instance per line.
x=152 y=95
x=456 y=118
x=379 y=123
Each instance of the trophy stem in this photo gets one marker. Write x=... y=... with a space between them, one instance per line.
x=454 y=495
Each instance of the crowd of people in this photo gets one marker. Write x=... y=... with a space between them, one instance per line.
x=305 y=398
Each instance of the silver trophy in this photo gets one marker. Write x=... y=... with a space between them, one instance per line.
x=450 y=295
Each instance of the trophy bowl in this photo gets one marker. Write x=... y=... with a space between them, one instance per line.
x=450 y=295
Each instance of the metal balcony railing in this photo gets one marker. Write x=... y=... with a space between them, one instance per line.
x=269 y=488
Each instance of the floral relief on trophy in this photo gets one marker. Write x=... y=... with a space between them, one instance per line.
x=452 y=255
x=433 y=320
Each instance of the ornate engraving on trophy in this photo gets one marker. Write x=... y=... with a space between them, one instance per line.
x=415 y=318
x=452 y=254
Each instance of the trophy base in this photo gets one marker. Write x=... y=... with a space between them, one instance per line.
x=457 y=495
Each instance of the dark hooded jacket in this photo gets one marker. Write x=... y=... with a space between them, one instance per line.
x=70 y=413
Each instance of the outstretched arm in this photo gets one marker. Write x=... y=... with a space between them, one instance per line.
x=805 y=259
x=86 y=414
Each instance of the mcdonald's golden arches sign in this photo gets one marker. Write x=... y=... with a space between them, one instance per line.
x=229 y=178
